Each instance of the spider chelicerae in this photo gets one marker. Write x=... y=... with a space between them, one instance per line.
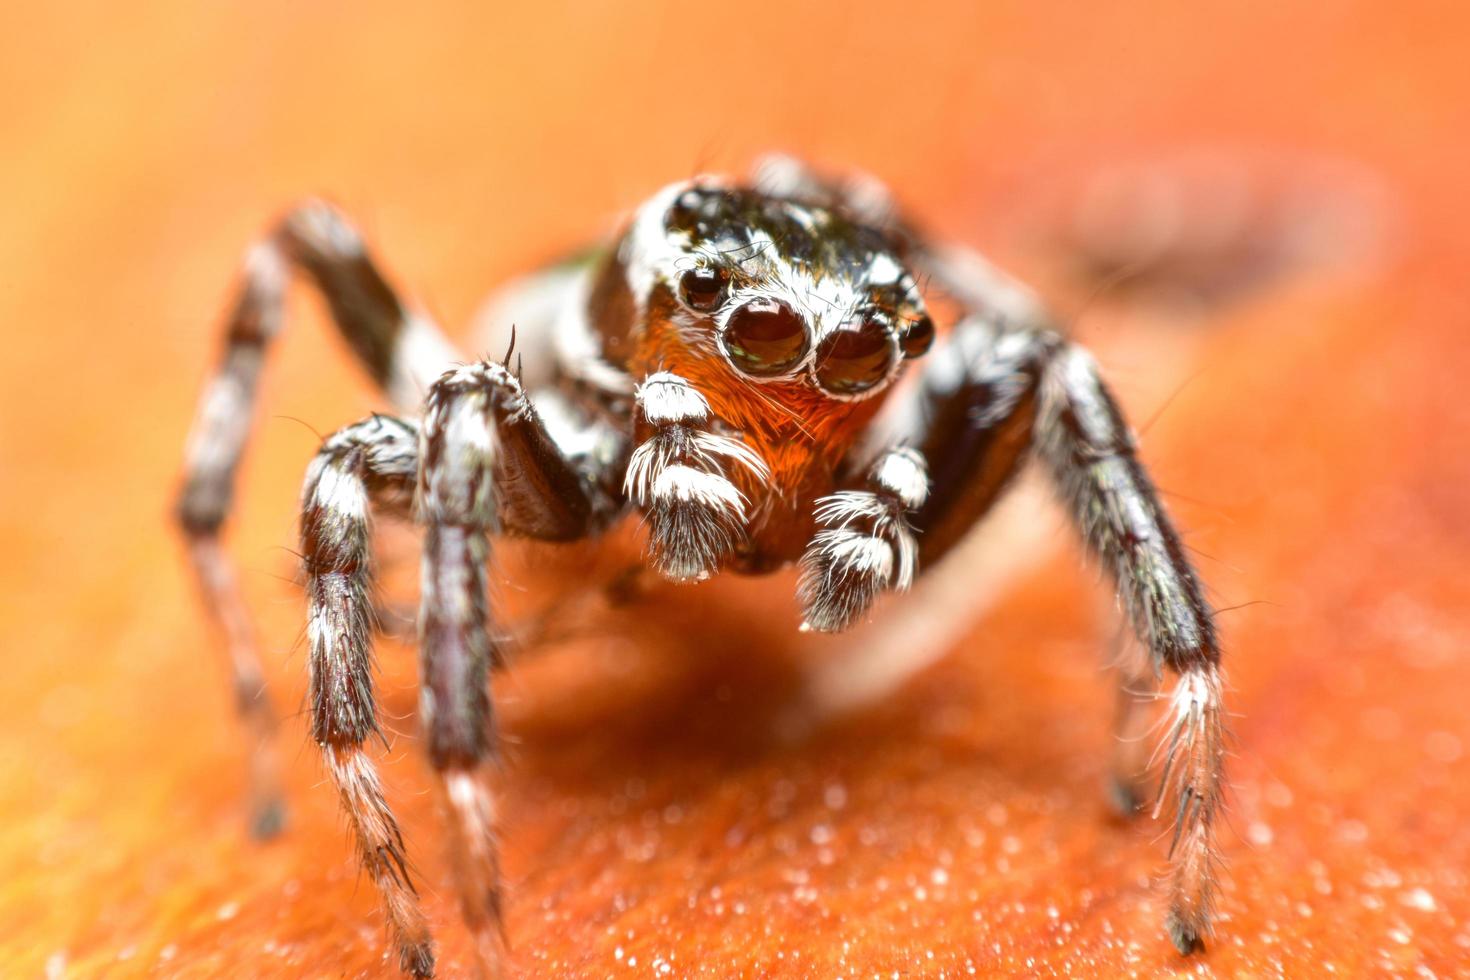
x=736 y=367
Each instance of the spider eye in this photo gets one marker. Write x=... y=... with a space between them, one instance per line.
x=855 y=357
x=703 y=289
x=918 y=337
x=765 y=337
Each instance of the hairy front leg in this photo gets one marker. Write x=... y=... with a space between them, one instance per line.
x=960 y=434
x=373 y=460
x=402 y=352
x=490 y=465
x=990 y=394
x=1084 y=441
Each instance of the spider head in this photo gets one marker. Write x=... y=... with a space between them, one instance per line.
x=798 y=299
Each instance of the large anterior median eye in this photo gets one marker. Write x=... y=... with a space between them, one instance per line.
x=855 y=357
x=765 y=337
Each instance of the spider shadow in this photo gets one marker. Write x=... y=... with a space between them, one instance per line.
x=694 y=685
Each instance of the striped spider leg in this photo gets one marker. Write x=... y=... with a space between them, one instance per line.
x=402 y=352
x=989 y=397
x=491 y=463
x=481 y=462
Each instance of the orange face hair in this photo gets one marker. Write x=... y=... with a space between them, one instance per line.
x=790 y=319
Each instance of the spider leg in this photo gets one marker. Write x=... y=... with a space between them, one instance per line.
x=972 y=417
x=989 y=394
x=1137 y=690
x=402 y=352
x=374 y=461
x=490 y=464
x=946 y=448
x=1085 y=443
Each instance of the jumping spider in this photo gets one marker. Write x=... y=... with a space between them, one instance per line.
x=730 y=368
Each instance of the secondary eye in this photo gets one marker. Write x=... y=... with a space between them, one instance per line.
x=765 y=337
x=702 y=289
x=855 y=357
x=918 y=337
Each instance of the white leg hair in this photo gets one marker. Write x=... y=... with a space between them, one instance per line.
x=374 y=459
x=1190 y=790
x=865 y=545
x=696 y=515
x=470 y=804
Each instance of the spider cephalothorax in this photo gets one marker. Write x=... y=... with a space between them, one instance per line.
x=788 y=293
x=790 y=318
x=727 y=368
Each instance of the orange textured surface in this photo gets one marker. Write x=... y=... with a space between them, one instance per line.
x=656 y=821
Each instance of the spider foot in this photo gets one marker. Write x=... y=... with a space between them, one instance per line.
x=1186 y=933
x=1126 y=796
x=1189 y=795
x=267 y=818
x=471 y=810
x=416 y=958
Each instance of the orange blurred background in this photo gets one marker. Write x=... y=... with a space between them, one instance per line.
x=1311 y=429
